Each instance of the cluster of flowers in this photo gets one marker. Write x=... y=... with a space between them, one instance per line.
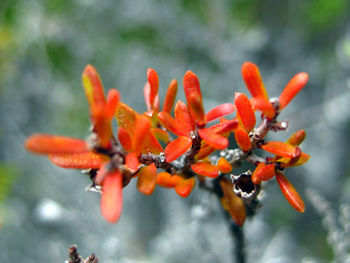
x=174 y=152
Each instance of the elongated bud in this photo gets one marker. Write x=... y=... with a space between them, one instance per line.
x=296 y=138
x=242 y=139
x=290 y=193
x=245 y=111
x=185 y=187
x=93 y=87
x=205 y=169
x=125 y=139
x=224 y=166
x=147 y=179
x=82 y=161
x=220 y=111
x=153 y=81
x=279 y=148
x=263 y=172
x=292 y=89
x=132 y=162
x=264 y=106
x=183 y=118
x=113 y=98
x=170 y=124
x=177 y=148
x=170 y=96
x=142 y=127
x=54 y=144
x=215 y=140
x=167 y=180
x=253 y=80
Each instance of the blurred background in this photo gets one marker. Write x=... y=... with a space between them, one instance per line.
x=44 y=46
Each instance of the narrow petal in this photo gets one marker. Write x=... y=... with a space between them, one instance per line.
x=93 y=87
x=224 y=126
x=170 y=124
x=160 y=134
x=112 y=197
x=205 y=151
x=205 y=169
x=292 y=89
x=113 y=98
x=263 y=172
x=87 y=160
x=290 y=193
x=146 y=94
x=264 y=106
x=153 y=81
x=224 y=166
x=182 y=117
x=296 y=138
x=132 y=162
x=126 y=117
x=177 y=148
x=185 y=187
x=151 y=144
x=54 y=144
x=234 y=204
x=142 y=128
x=242 y=139
x=245 y=111
x=147 y=179
x=279 y=148
x=302 y=159
x=102 y=126
x=215 y=140
x=253 y=80
x=220 y=111
x=125 y=139
x=170 y=96
x=167 y=180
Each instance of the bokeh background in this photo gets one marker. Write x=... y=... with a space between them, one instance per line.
x=44 y=46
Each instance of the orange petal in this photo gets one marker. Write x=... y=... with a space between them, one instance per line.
x=170 y=96
x=292 y=89
x=279 y=148
x=205 y=151
x=296 y=138
x=112 y=102
x=224 y=126
x=87 y=160
x=264 y=106
x=153 y=81
x=132 y=162
x=185 y=187
x=146 y=94
x=205 y=169
x=102 y=126
x=142 y=127
x=220 y=111
x=253 y=80
x=170 y=124
x=290 y=193
x=147 y=179
x=182 y=117
x=151 y=144
x=242 y=139
x=224 y=166
x=263 y=172
x=93 y=87
x=215 y=140
x=302 y=159
x=235 y=204
x=125 y=139
x=167 y=180
x=112 y=197
x=126 y=118
x=177 y=148
x=54 y=144
x=245 y=111
x=160 y=134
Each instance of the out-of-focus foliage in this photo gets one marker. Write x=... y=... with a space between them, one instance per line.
x=44 y=46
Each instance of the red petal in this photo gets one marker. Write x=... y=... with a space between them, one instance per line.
x=177 y=148
x=126 y=118
x=167 y=180
x=102 y=126
x=215 y=140
x=245 y=111
x=242 y=139
x=124 y=139
x=170 y=124
x=224 y=166
x=205 y=169
x=132 y=162
x=147 y=179
x=142 y=127
x=253 y=80
x=93 y=87
x=292 y=89
x=185 y=187
x=234 y=204
x=220 y=111
x=112 y=197
x=112 y=102
x=290 y=193
x=54 y=144
x=182 y=117
x=170 y=96
x=263 y=172
x=279 y=148
x=224 y=127
x=153 y=81
x=296 y=138
x=151 y=144
x=87 y=160
x=264 y=106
